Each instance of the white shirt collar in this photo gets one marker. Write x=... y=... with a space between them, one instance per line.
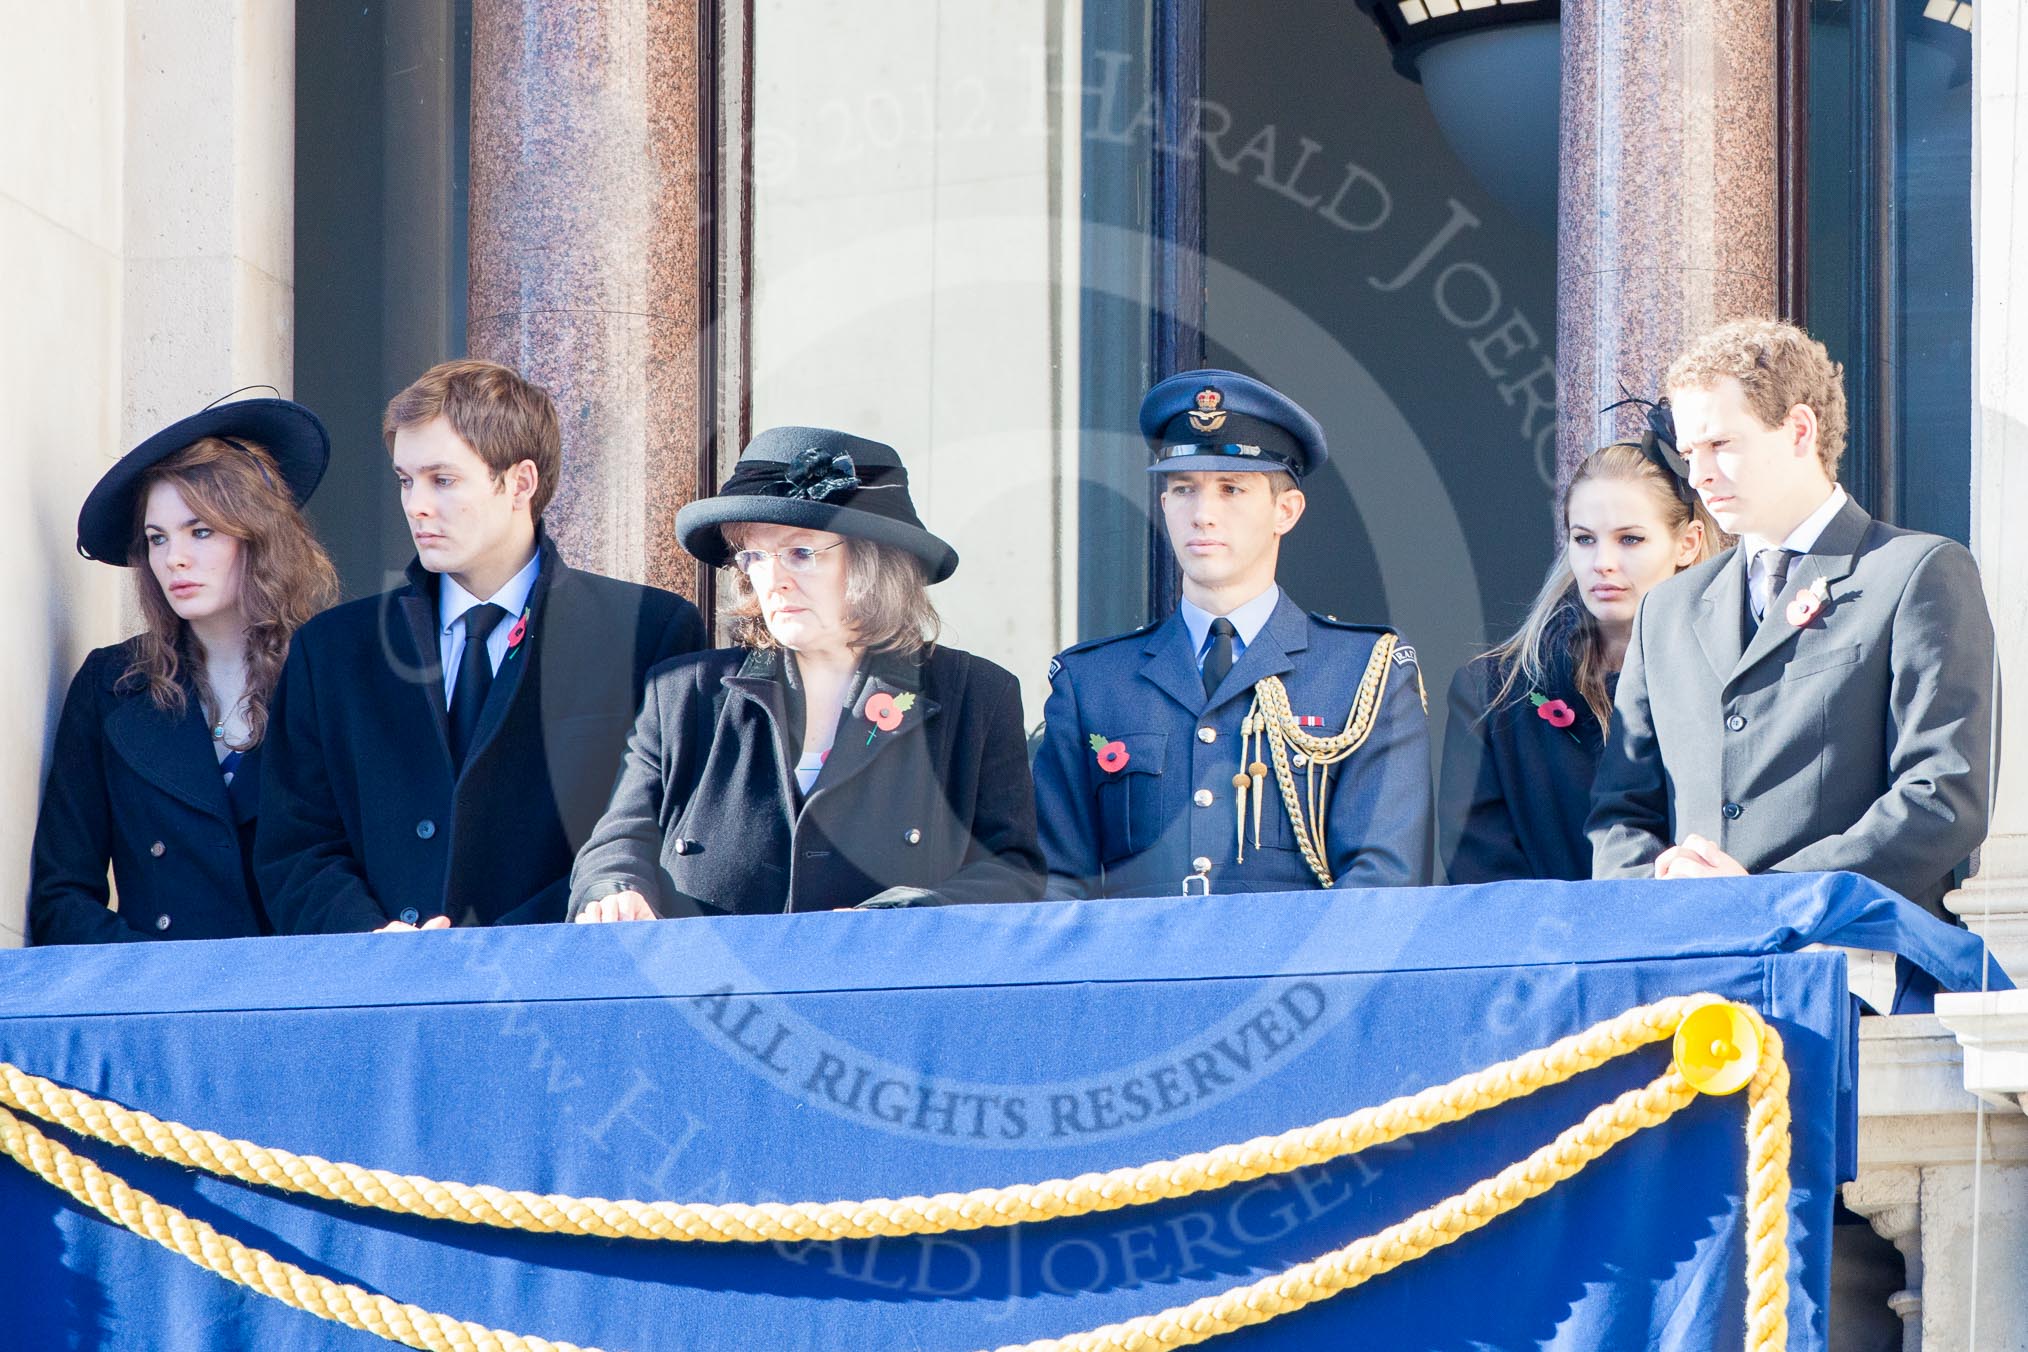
x=453 y=600
x=1804 y=537
x=1248 y=619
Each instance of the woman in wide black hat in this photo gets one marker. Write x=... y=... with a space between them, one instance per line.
x=156 y=766
x=839 y=756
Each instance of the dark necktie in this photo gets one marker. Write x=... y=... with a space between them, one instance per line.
x=475 y=678
x=1218 y=658
x=1774 y=569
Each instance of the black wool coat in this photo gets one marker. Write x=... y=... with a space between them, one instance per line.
x=364 y=818
x=132 y=786
x=1515 y=789
x=708 y=819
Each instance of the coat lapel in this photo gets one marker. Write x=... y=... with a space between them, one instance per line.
x=516 y=667
x=860 y=740
x=1832 y=558
x=173 y=754
x=1169 y=663
x=1720 y=623
x=418 y=609
x=759 y=681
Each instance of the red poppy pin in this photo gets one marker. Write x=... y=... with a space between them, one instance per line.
x=884 y=712
x=1112 y=755
x=517 y=633
x=1555 y=712
x=1810 y=603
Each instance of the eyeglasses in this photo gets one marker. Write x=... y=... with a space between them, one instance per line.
x=796 y=559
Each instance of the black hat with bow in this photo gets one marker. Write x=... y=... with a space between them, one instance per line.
x=1658 y=442
x=817 y=479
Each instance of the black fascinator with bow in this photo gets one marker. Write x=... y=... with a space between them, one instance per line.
x=1658 y=441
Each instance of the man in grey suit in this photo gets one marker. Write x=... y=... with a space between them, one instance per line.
x=1819 y=697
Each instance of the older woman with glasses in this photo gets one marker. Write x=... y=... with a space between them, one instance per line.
x=840 y=756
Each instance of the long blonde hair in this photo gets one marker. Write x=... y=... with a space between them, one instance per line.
x=285 y=577
x=1558 y=617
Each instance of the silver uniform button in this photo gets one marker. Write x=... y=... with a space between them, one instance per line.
x=1207 y=734
x=1201 y=864
x=912 y=836
x=161 y=922
x=1202 y=798
x=1299 y=760
x=157 y=849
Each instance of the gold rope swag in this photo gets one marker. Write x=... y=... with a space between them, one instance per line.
x=1720 y=1046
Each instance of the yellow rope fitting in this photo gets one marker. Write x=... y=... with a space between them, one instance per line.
x=1718 y=1047
x=1727 y=1038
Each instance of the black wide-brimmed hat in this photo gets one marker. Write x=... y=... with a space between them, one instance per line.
x=817 y=479
x=288 y=432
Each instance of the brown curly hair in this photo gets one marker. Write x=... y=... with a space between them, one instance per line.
x=285 y=576
x=1779 y=366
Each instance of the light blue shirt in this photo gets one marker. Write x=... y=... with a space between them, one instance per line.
x=452 y=603
x=1248 y=619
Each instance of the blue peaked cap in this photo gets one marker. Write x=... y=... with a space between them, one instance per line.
x=1221 y=420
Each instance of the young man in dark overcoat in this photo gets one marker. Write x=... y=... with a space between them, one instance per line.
x=444 y=748
x=1819 y=697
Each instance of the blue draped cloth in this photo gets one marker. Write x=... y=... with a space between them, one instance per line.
x=844 y=1055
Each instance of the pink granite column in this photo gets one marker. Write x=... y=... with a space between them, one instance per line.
x=586 y=227
x=1667 y=216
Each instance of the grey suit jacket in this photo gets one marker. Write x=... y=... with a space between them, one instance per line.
x=1861 y=740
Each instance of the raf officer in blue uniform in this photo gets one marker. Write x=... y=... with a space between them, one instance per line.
x=1239 y=745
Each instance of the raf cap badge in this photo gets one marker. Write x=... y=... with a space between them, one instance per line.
x=1208 y=416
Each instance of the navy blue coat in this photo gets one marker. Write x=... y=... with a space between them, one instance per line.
x=131 y=786
x=708 y=820
x=1138 y=831
x=364 y=819
x=1515 y=790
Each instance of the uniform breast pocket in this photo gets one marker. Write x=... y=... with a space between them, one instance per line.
x=1130 y=798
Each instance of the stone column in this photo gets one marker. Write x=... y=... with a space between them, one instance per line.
x=1890 y=1198
x=1667 y=201
x=585 y=267
x=1995 y=901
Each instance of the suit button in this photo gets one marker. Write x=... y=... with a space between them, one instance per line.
x=1200 y=865
x=1732 y=811
x=1202 y=798
x=156 y=849
x=409 y=915
x=161 y=922
x=1735 y=722
x=912 y=836
x=425 y=828
x=1207 y=735
x=681 y=846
